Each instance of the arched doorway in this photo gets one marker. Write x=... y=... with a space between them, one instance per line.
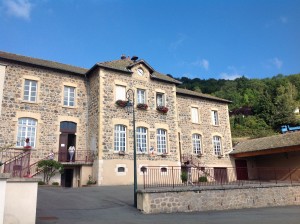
x=67 y=138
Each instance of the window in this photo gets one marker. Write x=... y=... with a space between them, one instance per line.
x=196 y=143
x=26 y=129
x=160 y=101
x=195 y=115
x=164 y=169
x=121 y=169
x=215 y=117
x=69 y=96
x=120 y=138
x=141 y=96
x=217 y=145
x=30 y=90
x=141 y=139
x=161 y=141
x=120 y=93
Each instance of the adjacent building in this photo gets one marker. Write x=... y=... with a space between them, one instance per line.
x=55 y=106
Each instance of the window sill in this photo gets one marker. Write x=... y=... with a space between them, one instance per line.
x=216 y=125
x=69 y=107
x=31 y=102
x=163 y=154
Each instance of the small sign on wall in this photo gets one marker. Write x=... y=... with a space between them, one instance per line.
x=62 y=145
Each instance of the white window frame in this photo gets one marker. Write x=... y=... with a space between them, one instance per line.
x=27 y=128
x=195 y=115
x=197 y=140
x=161 y=138
x=141 y=96
x=160 y=99
x=120 y=92
x=120 y=138
x=30 y=90
x=217 y=144
x=215 y=117
x=69 y=96
x=141 y=139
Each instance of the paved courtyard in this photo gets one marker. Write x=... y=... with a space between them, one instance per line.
x=114 y=204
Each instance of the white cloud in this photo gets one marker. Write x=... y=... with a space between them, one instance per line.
x=228 y=76
x=203 y=63
x=276 y=62
x=18 y=8
x=283 y=19
x=233 y=74
x=180 y=39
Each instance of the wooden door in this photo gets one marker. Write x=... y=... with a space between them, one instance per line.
x=241 y=169
x=220 y=174
x=63 y=147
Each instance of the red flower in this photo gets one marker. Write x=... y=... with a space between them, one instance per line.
x=142 y=106
x=121 y=103
x=162 y=109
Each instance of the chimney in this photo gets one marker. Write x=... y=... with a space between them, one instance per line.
x=134 y=58
x=123 y=57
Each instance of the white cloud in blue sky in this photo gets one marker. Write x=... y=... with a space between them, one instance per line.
x=232 y=74
x=178 y=42
x=274 y=63
x=18 y=8
x=203 y=63
x=283 y=19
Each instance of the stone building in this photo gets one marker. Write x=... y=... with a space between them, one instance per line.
x=55 y=106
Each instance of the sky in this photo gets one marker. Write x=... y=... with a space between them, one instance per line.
x=221 y=39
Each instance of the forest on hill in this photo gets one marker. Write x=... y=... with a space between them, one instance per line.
x=259 y=106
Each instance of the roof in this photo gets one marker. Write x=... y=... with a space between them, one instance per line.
x=125 y=65
x=268 y=143
x=201 y=95
x=42 y=63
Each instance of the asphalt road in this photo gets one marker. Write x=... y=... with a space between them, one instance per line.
x=114 y=204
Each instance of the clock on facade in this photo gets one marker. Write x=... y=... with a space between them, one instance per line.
x=140 y=71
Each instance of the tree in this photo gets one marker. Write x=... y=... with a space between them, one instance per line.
x=49 y=168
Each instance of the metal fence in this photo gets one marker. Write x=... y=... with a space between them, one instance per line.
x=176 y=176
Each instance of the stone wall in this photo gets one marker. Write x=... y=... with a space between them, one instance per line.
x=199 y=199
x=205 y=128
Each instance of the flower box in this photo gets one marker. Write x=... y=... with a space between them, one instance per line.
x=164 y=155
x=122 y=153
x=121 y=103
x=162 y=109
x=142 y=106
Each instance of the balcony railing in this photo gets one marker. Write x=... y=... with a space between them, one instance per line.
x=82 y=156
x=175 y=176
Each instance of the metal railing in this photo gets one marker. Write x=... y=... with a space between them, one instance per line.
x=176 y=176
x=9 y=153
x=16 y=165
x=85 y=156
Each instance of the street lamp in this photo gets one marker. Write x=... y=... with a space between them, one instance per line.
x=130 y=109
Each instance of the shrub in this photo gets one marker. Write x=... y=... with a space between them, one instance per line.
x=91 y=180
x=55 y=183
x=49 y=168
x=184 y=176
x=202 y=179
x=41 y=183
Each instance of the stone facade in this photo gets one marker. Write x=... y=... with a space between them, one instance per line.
x=96 y=114
x=199 y=199
x=48 y=110
x=205 y=128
